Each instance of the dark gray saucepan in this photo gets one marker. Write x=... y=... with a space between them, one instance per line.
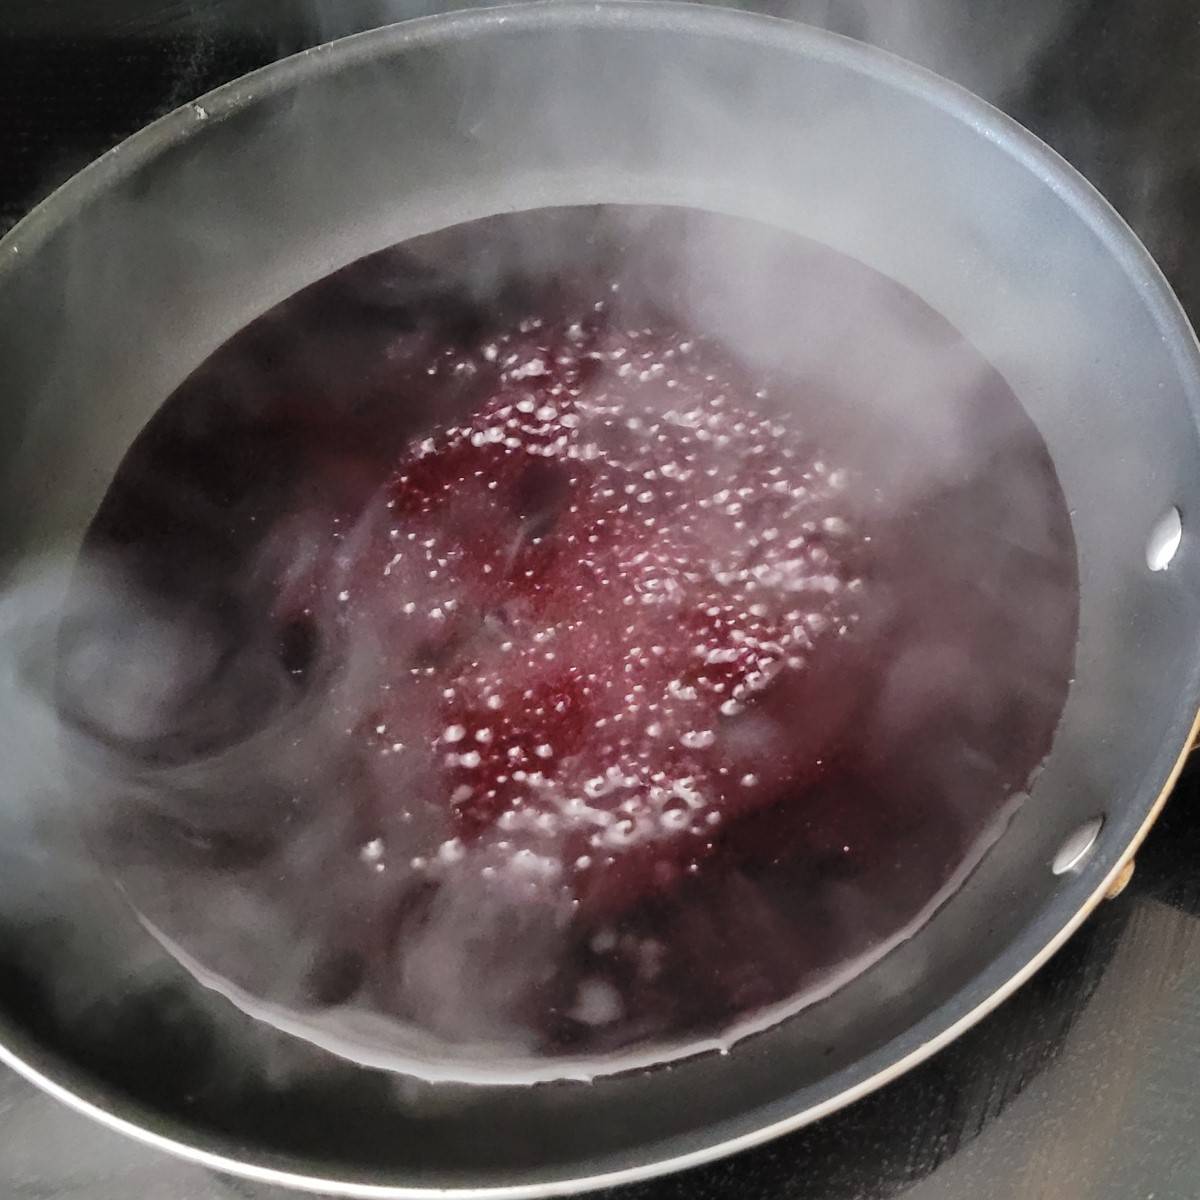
x=118 y=286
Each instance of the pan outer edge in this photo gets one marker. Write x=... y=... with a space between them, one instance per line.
x=1036 y=157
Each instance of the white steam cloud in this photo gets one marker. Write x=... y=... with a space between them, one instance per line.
x=130 y=722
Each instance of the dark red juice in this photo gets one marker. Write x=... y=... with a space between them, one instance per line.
x=584 y=681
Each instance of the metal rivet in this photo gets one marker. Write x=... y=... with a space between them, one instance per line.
x=1077 y=846
x=1121 y=882
x=1164 y=540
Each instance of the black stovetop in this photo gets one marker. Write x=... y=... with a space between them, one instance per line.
x=1083 y=1085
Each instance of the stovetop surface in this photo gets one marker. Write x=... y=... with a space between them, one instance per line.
x=1084 y=1085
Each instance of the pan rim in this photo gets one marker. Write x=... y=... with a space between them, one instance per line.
x=1033 y=947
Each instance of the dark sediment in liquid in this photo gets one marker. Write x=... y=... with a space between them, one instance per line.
x=564 y=673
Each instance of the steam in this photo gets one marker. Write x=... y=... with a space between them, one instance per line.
x=166 y=743
x=993 y=53
x=210 y=773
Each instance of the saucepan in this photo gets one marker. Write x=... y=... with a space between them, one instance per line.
x=116 y=289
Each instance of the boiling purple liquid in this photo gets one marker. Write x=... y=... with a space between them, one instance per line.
x=322 y=498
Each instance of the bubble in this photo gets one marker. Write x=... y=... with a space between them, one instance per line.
x=451 y=851
x=597 y=1003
